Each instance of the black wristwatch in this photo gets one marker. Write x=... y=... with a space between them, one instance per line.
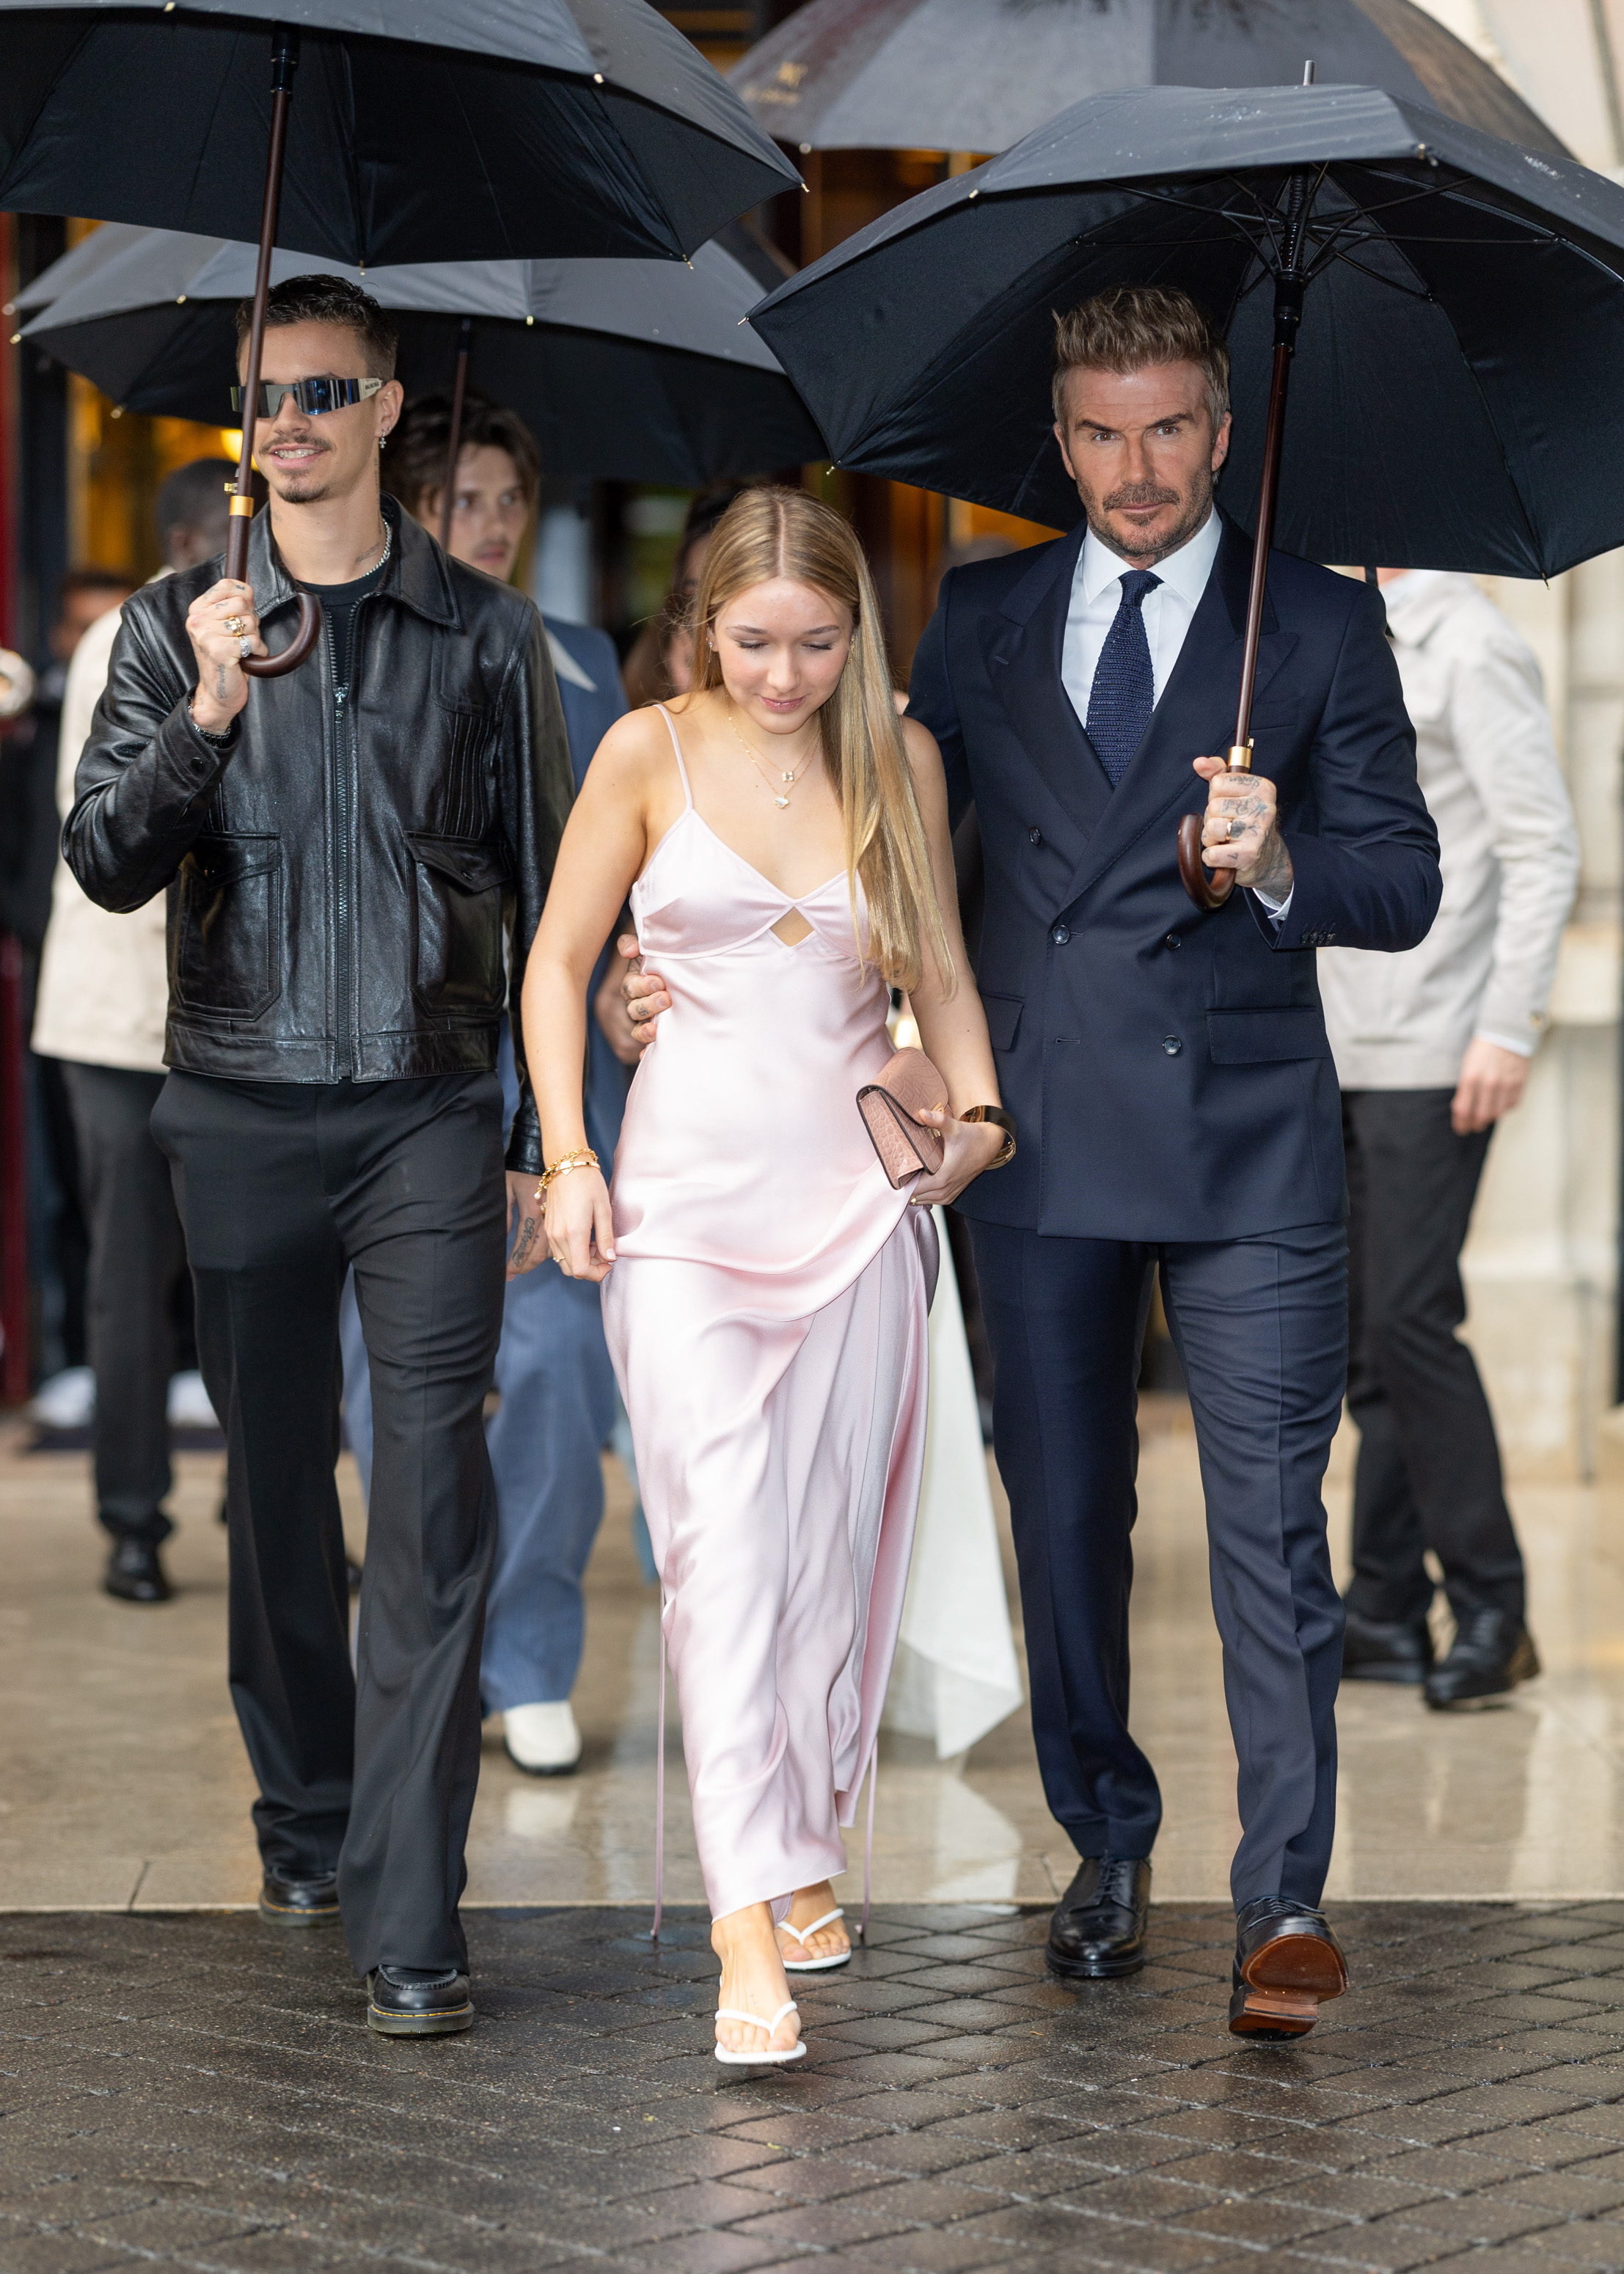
x=1000 y=1119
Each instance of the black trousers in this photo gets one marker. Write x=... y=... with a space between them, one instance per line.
x=1428 y=1473
x=1260 y=1327
x=137 y=1254
x=283 y=1185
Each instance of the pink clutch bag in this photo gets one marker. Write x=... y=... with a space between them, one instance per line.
x=906 y=1086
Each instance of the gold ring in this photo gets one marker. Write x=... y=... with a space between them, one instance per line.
x=234 y=625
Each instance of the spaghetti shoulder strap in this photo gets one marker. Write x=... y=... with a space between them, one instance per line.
x=670 y=727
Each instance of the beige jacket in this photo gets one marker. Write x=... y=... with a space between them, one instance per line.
x=104 y=983
x=1509 y=848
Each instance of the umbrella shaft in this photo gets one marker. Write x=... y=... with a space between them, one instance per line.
x=453 y=441
x=1287 y=317
x=285 y=56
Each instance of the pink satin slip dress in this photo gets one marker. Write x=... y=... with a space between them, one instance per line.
x=766 y=1317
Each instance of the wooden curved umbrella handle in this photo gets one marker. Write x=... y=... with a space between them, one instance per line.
x=1206 y=892
x=299 y=648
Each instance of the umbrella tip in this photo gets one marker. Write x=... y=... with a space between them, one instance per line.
x=1308 y=72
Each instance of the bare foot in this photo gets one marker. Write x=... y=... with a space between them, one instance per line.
x=753 y=1980
x=830 y=1941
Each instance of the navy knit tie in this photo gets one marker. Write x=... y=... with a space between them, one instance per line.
x=1123 y=693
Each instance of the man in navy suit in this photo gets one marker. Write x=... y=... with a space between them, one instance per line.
x=1176 y=1097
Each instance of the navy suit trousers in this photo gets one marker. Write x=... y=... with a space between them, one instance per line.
x=1262 y=1328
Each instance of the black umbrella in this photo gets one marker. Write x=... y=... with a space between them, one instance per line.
x=425 y=130
x=1456 y=306
x=979 y=74
x=635 y=371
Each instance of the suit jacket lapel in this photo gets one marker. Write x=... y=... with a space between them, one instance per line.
x=1023 y=648
x=1196 y=713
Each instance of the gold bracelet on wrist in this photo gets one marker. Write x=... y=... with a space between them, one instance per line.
x=583 y=1157
x=1000 y=1119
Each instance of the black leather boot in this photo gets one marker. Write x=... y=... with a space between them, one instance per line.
x=288 y=1902
x=1098 y=1928
x=135 y=1573
x=406 y=2001
x=1490 y=1653
x=1386 y=1650
x=1287 y=1963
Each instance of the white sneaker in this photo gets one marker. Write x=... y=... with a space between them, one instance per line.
x=67 y=1401
x=541 y=1740
x=188 y=1403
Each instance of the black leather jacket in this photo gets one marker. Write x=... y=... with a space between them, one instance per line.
x=342 y=888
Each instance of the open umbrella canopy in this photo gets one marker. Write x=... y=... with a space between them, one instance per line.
x=423 y=130
x=979 y=74
x=91 y=252
x=1463 y=320
x=637 y=370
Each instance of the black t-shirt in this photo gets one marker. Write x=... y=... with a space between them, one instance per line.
x=338 y=604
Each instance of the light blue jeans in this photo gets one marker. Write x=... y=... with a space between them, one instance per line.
x=558 y=1408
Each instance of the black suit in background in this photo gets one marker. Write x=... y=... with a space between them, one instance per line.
x=1178 y=1110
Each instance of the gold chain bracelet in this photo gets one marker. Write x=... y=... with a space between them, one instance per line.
x=584 y=1157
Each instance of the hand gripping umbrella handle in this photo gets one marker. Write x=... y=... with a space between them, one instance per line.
x=269 y=666
x=1207 y=891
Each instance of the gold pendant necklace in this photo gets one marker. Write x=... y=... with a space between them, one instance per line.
x=789 y=780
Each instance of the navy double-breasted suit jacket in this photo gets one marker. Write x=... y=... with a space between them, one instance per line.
x=1169 y=1069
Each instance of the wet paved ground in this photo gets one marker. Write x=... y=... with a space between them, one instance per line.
x=199 y=2091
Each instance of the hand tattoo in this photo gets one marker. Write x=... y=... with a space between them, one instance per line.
x=220 y=682
x=526 y=1239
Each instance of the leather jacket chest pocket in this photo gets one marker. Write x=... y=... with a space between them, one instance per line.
x=226 y=960
x=457 y=923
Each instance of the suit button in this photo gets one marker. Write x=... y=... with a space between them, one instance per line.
x=1060 y=935
x=1171 y=1044
x=1172 y=940
x=1035 y=835
x=1328 y=937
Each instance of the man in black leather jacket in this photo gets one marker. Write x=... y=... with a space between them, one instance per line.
x=356 y=856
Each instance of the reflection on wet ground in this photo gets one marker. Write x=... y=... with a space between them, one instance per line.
x=122 y=1783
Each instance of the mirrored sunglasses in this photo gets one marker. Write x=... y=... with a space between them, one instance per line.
x=311 y=395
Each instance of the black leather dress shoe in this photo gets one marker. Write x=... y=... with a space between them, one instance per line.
x=403 y=2002
x=135 y=1573
x=1287 y=1964
x=1386 y=1650
x=1098 y=1928
x=288 y=1902
x=1490 y=1653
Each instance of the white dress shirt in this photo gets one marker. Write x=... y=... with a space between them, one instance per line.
x=1096 y=595
x=1169 y=610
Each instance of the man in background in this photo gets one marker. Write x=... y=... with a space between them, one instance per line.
x=29 y=827
x=1432 y=1047
x=102 y=999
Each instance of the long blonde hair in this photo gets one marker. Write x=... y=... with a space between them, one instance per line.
x=783 y=533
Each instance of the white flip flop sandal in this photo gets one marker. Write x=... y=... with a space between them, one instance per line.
x=800 y=1933
x=768 y=2059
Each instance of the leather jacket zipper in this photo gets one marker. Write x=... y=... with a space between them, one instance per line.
x=343 y=941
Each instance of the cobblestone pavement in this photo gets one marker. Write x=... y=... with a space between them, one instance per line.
x=196 y=2090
